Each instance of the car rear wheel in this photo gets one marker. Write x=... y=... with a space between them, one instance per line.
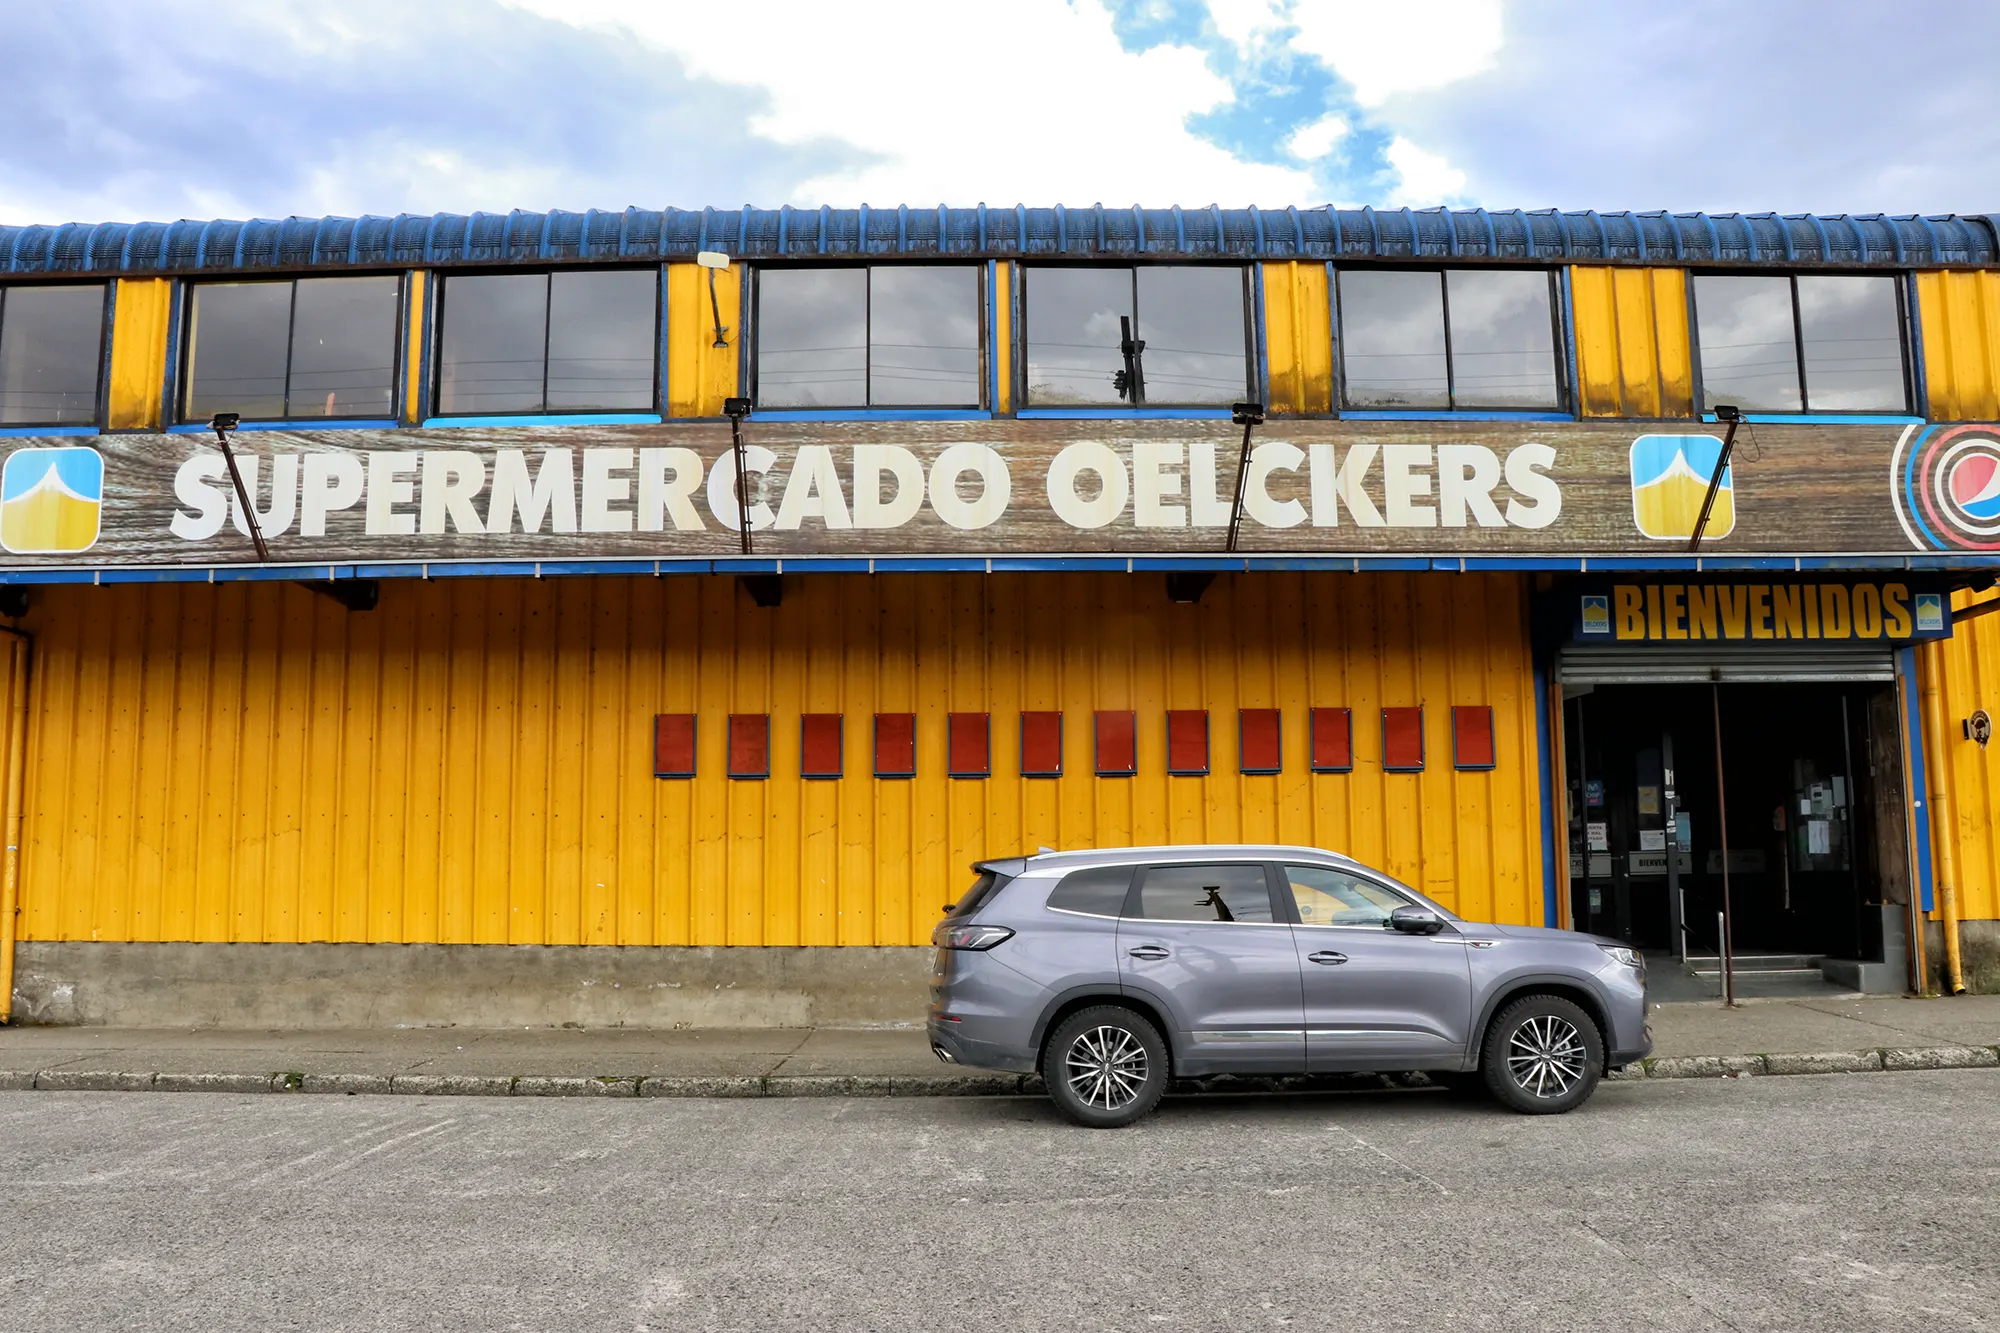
x=1543 y=1056
x=1105 y=1067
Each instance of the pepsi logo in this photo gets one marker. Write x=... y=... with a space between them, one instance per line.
x=1946 y=484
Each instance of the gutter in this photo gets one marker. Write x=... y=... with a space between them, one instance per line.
x=1944 y=832
x=17 y=772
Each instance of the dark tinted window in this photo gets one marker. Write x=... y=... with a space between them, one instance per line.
x=51 y=350
x=1100 y=891
x=1392 y=352
x=1503 y=345
x=319 y=347
x=1132 y=337
x=1205 y=893
x=535 y=342
x=894 y=336
x=1749 y=352
x=1463 y=338
x=982 y=888
x=1852 y=331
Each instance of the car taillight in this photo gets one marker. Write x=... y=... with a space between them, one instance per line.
x=948 y=936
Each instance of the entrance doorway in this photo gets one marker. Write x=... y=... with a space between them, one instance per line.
x=1807 y=776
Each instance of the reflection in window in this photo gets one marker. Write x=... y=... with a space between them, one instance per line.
x=1333 y=898
x=894 y=336
x=51 y=352
x=271 y=351
x=1167 y=335
x=1205 y=893
x=578 y=341
x=1815 y=343
x=1462 y=338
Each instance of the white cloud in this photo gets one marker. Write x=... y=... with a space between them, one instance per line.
x=1243 y=22
x=1382 y=50
x=1317 y=139
x=1423 y=178
x=954 y=107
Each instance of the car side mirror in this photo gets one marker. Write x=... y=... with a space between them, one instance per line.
x=1413 y=920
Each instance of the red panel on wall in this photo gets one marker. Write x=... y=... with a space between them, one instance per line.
x=1187 y=741
x=1117 y=744
x=969 y=742
x=1472 y=737
x=1041 y=745
x=1403 y=739
x=895 y=745
x=749 y=745
x=819 y=745
x=1258 y=733
x=1332 y=740
x=673 y=745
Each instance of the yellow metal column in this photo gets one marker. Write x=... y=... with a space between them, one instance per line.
x=139 y=353
x=1944 y=829
x=17 y=775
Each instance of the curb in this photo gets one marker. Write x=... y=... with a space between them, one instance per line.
x=965 y=1084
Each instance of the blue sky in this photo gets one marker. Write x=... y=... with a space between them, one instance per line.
x=161 y=109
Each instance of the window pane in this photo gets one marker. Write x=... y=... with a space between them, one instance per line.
x=812 y=337
x=1853 y=335
x=1748 y=358
x=923 y=337
x=344 y=347
x=1392 y=340
x=236 y=353
x=1099 y=891
x=603 y=343
x=1330 y=898
x=51 y=348
x=1503 y=347
x=494 y=339
x=1205 y=893
x=1073 y=333
x=1191 y=320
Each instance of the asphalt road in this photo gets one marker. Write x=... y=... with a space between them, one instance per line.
x=1851 y=1202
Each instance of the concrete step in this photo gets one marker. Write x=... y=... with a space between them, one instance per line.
x=1708 y=964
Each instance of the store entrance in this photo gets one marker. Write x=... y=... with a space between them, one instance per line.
x=1809 y=782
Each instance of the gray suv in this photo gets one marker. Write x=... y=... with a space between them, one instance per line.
x=1110 y=972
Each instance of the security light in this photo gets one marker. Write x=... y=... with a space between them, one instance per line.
x=1728 y=412
x=225 y=421
x=712 y=259
x=736 y=407
x=1247 y=414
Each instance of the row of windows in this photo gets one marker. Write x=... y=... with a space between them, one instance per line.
x=1226 y=892
x=903 y=336
x=1114 y=743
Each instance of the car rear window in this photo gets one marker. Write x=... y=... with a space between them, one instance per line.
x=1099 y=891
x=982 y=888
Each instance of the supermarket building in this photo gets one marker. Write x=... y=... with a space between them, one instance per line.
x=1562 y=565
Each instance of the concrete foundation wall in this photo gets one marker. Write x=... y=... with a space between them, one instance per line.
x=382 y=985
x=1979 y=950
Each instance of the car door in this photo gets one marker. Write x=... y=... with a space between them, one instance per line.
x=1206 y=942
x=1374 y=997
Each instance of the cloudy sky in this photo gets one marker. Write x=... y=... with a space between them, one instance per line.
x=162 y=109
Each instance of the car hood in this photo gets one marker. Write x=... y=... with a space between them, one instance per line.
x=1539 y=933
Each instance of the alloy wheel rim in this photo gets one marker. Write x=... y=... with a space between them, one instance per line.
x=1545 y=1056
x=1106 y=1068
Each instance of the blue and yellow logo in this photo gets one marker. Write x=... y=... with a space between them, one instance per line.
x=1669 y=481
x=51 y=500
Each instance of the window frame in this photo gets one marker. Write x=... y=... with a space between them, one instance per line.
x=1565 y=397
x=398 y=352
x=1904 y=338
x=982 y=302
x=434 y=341
x=101 y=388
x=1253 y=343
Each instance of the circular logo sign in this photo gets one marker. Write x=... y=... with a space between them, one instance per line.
x=1946 y=484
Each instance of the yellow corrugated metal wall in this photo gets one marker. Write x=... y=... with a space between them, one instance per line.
x=472 y=762
x=1632 y=342
x=1960 y=313
x=1298 y=338
x=700 y=374
x=138 y=353
x=415 y=319
x=1972 y=681
x=1000 y=342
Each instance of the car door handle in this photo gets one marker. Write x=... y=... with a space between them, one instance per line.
x=1150 y=952
x=1326 y=956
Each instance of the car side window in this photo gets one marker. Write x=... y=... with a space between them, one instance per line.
x=1205 y=893
x=1096 y=891
x=1335 y=898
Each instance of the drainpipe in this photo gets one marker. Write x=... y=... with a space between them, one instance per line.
x=17 y=774
x=1943 y=831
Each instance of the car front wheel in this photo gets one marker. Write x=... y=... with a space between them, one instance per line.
x=1105 y=1067
x=1543 y=1056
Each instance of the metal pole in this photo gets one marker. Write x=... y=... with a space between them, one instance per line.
x=1242 y=479
x=742 y=481
x=243 y=498
x=1715 y=478
x=1722 y=918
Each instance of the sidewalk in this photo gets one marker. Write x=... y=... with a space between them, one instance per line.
x=1691 y=1040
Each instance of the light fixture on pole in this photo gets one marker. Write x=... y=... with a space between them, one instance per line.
x=222 y=423
x=713 y=260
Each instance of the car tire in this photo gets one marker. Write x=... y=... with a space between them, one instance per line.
x=1543 y=1056
x=1105 y=1066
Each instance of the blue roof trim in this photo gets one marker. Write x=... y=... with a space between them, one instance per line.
x=1465 y=235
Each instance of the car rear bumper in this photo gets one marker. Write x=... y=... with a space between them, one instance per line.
x=951 y=1044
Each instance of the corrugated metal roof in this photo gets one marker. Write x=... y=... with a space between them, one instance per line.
x=1477 y=234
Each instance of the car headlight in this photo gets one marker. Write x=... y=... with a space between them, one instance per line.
x=948 y=936
x=1629 y=957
